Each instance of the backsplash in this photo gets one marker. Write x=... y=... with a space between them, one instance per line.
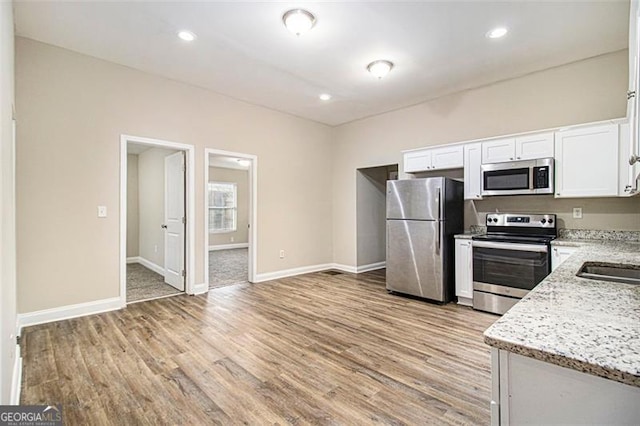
x=613 y=214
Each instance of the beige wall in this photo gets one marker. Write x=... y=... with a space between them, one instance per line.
x=584 y=91
x=241 y=179
x=151 y=204
x=371 y=210
x=74 y=109
x=7 y=208
x=132 y=206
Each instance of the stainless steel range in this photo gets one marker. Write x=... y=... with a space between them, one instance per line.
x=511 y=258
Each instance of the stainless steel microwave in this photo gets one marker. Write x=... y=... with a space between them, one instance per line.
x=518 y=177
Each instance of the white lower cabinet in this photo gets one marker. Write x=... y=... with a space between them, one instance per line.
x=464 y=271
x=560 y=254
x=587 y=162
x=528 y=391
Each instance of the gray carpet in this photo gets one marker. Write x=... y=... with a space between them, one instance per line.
x=143 y=284
x=227 y=267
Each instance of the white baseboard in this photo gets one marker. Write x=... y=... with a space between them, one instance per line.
x=16 y=380
x=67 y=312
x=465 y=301
x=200 y=288
x=371 y=267
x=228 y=246
x=344 y=268
x=147 y=264
x=268 y=276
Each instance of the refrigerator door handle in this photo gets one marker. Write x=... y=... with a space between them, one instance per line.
x=439 y=237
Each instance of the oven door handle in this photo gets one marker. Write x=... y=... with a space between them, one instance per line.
x=512 y=246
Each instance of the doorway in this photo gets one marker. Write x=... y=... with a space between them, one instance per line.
x=371 y=204
x=156 y=219
x=230 y=212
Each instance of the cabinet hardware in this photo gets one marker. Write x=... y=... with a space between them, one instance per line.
x=631 y=94
x=634 y=159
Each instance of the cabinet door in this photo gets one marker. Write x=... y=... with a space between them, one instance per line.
x=536 y=146
x=587 y=162
x=559 y=255
x=499 y=150
x=472 y=171
x=447 y=158
x=418 y=161
x=464 y=270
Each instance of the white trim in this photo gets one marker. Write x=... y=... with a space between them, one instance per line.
x=135 y=259
x=16 y=380
x=67 y=312
x=344 y=268
x=371 y=267
x=150 y=265
x=201 y=288
x=268 y=276
x=253 y=211
x=228 y=246
x=190 y=213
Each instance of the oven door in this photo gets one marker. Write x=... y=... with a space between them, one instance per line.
x=509 y=269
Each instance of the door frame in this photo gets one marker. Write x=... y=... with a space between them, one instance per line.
x=253 y=210
x=190 y=191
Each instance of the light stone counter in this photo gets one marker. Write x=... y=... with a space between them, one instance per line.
x=587 y=325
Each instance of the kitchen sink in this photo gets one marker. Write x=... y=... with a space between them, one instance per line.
x=616 y=272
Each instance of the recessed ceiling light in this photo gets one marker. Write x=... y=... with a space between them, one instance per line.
x=186 y=35
x=497 y=32
x=380 y=68
x=298 y=21
x=325 y=97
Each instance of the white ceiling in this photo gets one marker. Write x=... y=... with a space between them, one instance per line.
x=227 y=162
x=244 y=51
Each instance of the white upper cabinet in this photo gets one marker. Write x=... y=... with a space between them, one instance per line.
x=536 y=146
x=447 y=157
x=499 y=150
x=472 y=171
x=587 y=162
x=630 y=148
x=527 y=147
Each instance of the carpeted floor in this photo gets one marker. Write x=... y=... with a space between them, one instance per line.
x=228 y=267
x=143 y=284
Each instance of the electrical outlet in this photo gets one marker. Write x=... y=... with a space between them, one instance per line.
x=281 y=254
x=155 y=248
x=577 y=212
x=232 y=239
x=102 y=211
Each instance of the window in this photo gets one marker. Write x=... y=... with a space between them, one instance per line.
x=223 y=207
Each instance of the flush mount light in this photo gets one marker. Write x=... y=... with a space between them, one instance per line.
x=325 y=97
x=186 y=35
x=298 y=21
x=380 y=68
x=497 y=32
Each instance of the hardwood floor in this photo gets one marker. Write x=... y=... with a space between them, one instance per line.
x=312 y=349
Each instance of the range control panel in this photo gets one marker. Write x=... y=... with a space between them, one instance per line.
x=522 y=220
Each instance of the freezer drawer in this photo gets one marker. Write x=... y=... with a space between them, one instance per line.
x=414 y=258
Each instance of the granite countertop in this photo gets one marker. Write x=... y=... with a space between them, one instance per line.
x=587 y=325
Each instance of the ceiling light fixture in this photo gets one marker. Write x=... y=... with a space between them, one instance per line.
x=380 y=68
x=298 y=21
x=497 y=32
x=186 y=35
x=325 y=97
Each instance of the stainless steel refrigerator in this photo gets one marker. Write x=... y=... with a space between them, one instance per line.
x=423 y=215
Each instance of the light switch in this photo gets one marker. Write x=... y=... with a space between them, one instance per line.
x=102 y=211
x=577 y=212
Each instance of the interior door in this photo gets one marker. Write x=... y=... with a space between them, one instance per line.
x=174 y=220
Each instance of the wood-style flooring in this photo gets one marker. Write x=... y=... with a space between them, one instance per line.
x=312 y=349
